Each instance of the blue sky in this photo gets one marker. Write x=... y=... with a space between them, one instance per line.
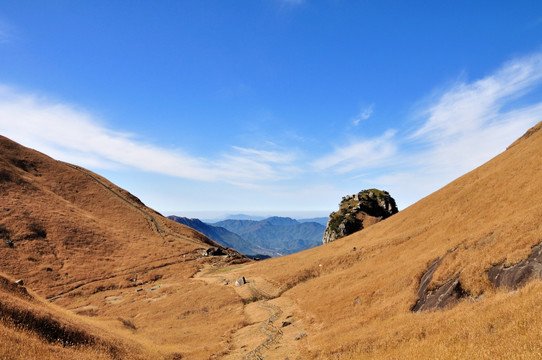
x=271 y=106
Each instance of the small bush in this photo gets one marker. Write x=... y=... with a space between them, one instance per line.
x=128 y=323
x=4 y=233
x=5 y=176
x=38 y=230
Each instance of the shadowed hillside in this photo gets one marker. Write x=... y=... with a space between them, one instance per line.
x=32 y=329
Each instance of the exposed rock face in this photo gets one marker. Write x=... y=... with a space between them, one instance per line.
x=359 y=211
x=516 y=276
x=448 y=294
x=241 y=281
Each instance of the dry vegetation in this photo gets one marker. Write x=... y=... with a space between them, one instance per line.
x=93 y=248
x=135 y=284
x=488 y=216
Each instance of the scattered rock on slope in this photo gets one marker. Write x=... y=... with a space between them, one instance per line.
x=359 y=211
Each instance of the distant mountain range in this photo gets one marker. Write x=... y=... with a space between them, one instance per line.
x=280 y=235
x=319 y=220
x=223 y=236
x=273 y=236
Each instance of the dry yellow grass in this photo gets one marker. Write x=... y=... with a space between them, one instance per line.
x=88 y=245
x=31 y=328
x=358 y=302
x=102 y=245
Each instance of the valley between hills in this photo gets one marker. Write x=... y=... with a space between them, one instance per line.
x=102 y=276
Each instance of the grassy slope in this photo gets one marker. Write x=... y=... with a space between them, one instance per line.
x=489 y=215
x=352 y=304
x=31 y=328
x=88 y=244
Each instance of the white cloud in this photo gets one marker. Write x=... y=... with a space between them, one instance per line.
x=4 y=37
x=459 y=129
x=364 y=154
x=463 y=127
x=363 y=115
x=466 y=108
x=266 y=156
x=472 y=122
x=70 y=134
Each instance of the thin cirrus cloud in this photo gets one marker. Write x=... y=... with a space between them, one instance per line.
x=73 y=135
x=363 y=115
x=464 y=127
x=459 y=129
x=359 y=155
x=472 y=122
x=466 y=108
x=6 y=32
x=4 y=37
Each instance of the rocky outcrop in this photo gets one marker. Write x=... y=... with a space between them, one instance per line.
x=517 y=276
x=359 y=211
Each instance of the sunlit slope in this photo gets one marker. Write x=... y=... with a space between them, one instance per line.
x=357 y=293
x=119 y=266
x=34 y=329
x=68 y=224
x=91 y=247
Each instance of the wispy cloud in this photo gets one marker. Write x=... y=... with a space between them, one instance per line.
x=359 y=155
x=73 y=135
x=468 y=107
x=459 y=129
x=472 y=122
x=363 y=115
x=5 y=36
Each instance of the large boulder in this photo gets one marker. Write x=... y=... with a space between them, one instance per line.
x=359 y=211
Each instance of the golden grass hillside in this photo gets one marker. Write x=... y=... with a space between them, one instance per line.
x=356 y=294
x=76 y=239
x=33 y=329
x=112 y=264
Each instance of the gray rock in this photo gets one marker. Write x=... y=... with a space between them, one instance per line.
x=241 y=281
x=300 y=336
x=19 y=282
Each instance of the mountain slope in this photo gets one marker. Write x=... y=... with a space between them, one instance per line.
x=319 y=220
x=32 y=329
x=77 y=239
x=368 y=284
x=142 y=279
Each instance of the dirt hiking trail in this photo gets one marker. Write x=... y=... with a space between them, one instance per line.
x=271 y=330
